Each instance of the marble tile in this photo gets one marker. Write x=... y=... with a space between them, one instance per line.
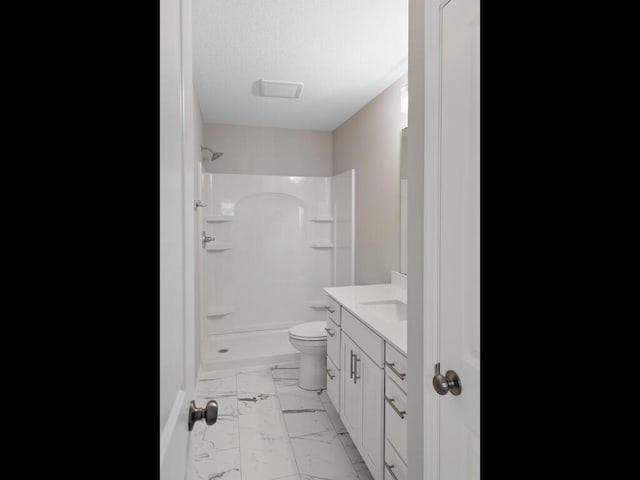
x=292 y=397
x=285 y=373
x=322 y=455
x=256 y=380
x=222 y=464
x=363 y=471
x=334 y=416
x=217 y=374
x=324 y=398
x=306 y=421
x=248 y=402
x=350 y=448
x=224 y=434
x=215 y=383
x=285 y=376
x=285 y=382
x=264 y=443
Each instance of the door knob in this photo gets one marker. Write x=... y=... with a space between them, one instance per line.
x=209 y=413
x=449 y=382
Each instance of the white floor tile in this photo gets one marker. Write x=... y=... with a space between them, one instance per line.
x=305 y=422
x=270 y=429
x=280 y=372
x=266 y=452
x=323 y=455
x=350 y=448
x=334 y=416
x=217 y=383
x=257 y=380
x=219 y=464
x=363 y=471
x=292 y=397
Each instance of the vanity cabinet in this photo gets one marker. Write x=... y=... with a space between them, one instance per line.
x=366 y=382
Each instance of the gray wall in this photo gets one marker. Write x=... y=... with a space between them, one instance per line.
x=370 y=142
x=415 y=240
x=197 y=141
x=268 y=151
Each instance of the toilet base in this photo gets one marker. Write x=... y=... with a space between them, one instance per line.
x=313 y=372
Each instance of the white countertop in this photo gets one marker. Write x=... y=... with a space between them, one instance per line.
x=388 y=327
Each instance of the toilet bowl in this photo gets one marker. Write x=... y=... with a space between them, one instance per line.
x=310 y=339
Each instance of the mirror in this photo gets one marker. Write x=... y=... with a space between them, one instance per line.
x=403 y=202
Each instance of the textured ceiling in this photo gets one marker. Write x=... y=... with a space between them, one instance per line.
x=344 y=51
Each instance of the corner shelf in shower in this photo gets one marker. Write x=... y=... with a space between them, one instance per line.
x=218 y=218
x=321 y=244
x=321 y=219
x=321 y=305
x=219 y=247
x=219 y=311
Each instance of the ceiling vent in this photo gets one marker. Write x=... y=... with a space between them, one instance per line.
x=277 y=88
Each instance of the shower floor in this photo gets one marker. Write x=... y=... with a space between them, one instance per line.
x=237 y=350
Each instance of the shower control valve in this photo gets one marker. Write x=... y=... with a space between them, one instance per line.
x=206 y=239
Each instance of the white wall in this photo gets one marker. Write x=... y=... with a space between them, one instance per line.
x=269 y=151
x=370 y=142
x=198 y=130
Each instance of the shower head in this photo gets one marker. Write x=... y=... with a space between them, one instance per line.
x=214 y=155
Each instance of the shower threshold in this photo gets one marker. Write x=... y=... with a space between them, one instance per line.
x=246 y=349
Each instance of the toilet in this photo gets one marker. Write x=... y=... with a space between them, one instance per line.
x=310 y=339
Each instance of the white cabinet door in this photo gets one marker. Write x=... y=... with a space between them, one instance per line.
x=351 y=412
x=371 y=380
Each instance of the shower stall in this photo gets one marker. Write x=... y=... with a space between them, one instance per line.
x=269 y=246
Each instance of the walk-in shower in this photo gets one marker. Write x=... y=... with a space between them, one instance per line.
x=278 y=240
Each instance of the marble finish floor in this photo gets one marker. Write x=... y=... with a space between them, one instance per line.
x=270 y=429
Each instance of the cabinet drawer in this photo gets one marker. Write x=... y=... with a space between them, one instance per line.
x=364 y=337
x=333 y=341
x=333 y=310
x=395 y=425
x=395 y=366
x=333 y=384
x=393 y=463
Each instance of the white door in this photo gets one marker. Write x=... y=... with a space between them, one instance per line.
x=177 y=370
x=459 y=281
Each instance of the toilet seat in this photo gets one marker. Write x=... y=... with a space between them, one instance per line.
x=309 y=331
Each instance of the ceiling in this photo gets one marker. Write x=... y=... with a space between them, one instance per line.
x=344 y=51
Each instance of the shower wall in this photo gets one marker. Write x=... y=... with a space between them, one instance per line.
x=273 y=250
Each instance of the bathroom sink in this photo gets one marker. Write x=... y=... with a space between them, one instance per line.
x=390 y=309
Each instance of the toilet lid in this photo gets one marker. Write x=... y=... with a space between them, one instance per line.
x=310 y=330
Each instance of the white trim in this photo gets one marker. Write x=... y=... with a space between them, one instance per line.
x=167 y=432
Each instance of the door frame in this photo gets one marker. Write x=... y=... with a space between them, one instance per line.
x=424 y=209
x=190 y=254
